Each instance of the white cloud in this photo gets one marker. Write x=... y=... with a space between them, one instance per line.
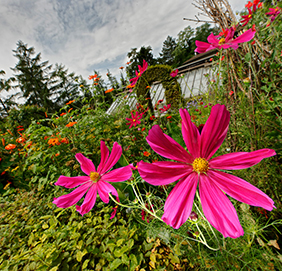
x=87 y=34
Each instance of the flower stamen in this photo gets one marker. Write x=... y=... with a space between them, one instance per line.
x=221 y=41
x=94 y=176
x=200 y=165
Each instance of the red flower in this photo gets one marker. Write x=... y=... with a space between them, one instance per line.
x=10 y=147
x=174 y=73
x=165 y=108
x=135 y=119
x=168 y=117
x=145 y=153
x=138 y=74
x=247 y=18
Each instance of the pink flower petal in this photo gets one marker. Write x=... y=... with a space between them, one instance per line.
x=165 y=146
x=104 y=155
x=118 y=175
x=212 y=39
x=246 y=36
x=190 y=134
x=73 y=197
x=179 y=202
x=214 y=131
x=89 y=201
x=71 y=182
x=104 y=189
x=163 y=173
x=203 y=47
x=241 y=190
x=86 y=164
x=114 y=157
x=218 y=209
x=240 y=160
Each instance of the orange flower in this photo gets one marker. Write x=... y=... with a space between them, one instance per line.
x=10 y=147
x=70 y=102
x=65 y=140
x=72 y=123
x=57 y=154
x=3 y=141
x=45 y=137
x=62 y=114
x=95 y=84
x=148 y=87
x=97 y=79
x=127 y=63
x=46 y=115
x=20 y=129
x=143 y=129
x=168 y=117
x=145 y=153
x=10 y=132
x=92 y=76
x=20 y=140
x=70 y=109
x=81 y=86
x=54 y=141
x=109 y=90
x=121 y=67
x=130 y=86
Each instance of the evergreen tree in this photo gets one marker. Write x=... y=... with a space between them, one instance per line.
x=136 y=58
x=166 y=56
x=39 y=83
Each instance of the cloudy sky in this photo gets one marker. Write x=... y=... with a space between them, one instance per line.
x=85 y=35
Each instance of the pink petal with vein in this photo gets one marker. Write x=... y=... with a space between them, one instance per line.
x=190 y=134
x=89 y=201
x=104 y=155
x=218 y=209
x=246 y=36
x=240 y=160
x=118 y=175
x=214 y=131
x=163 y=173
x=104 y=189
x=86 y=164
x=241 y=190
x=203 y=47
x=71 y=182
x=73 y=197
x=179 y=203
x=114 y=157
x=165 y=146
x=212 y=39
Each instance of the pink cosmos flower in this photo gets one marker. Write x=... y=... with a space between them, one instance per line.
x=246 y=18
x=224 y=40
x=198 y=167
x=135 y=119
x=134 y=80
x=274 y=12
x=95 y=181
x=165 y=108
x=174 y=73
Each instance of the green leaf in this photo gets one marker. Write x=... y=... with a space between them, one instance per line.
x=85 y=264
x=133 y=262
x=119 y=242
x=115 y=264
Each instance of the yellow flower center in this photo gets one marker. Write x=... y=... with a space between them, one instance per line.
x=200 y=165
x=94 y=176
x=134 y=120
x=221 y=41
